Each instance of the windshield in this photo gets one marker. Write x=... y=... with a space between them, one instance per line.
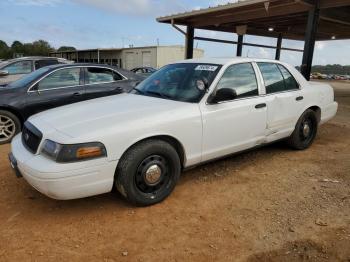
x=179 y=82
x=27 y=79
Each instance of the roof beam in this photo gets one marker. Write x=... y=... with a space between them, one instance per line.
x=338 y=15
x=244 y=43
x=278 y=10
x=333 y=3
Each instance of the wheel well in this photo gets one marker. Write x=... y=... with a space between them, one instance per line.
x=317 y=111
x=172 y=141
x=15 y=112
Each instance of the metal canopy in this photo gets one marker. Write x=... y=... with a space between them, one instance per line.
x=307 y=20
x=288 y=17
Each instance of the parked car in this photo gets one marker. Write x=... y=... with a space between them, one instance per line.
x=185 y=114
x=55 y=86
x=144 y=71
x=14 y=69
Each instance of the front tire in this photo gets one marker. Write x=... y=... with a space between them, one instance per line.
x=9 y=126
x=148 y=172
x=305 y=131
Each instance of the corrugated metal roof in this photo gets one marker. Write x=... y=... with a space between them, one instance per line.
x=239 y=3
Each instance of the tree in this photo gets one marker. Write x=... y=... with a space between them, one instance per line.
x=17 y=47
x=4 y=50
x=41 y=48
x=66 y=48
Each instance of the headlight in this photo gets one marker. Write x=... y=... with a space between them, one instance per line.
x=72 y=153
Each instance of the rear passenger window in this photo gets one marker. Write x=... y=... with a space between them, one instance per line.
x=274 y=81
x=97 y=75
x=277 y=78
x=289 y=80
x=241 y=78
x=43 y=63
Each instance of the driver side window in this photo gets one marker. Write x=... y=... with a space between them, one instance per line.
x=241 y=78
x=61 y=78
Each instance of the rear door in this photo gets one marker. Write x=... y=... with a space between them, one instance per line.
x=283 y=97
x=100 y=82
x=61 y=87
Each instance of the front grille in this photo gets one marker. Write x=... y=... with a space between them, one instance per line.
x=31 y=137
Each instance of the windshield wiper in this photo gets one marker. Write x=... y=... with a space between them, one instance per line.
x=159 y=94
x=138 y=91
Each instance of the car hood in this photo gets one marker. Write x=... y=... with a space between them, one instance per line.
x=86 y=119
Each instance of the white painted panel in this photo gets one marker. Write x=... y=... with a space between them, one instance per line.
x=129 y=60
x=146 y=58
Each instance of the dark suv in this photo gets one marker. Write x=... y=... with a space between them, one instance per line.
x=14 y=69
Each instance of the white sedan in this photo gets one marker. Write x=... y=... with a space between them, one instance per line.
x=183 y=115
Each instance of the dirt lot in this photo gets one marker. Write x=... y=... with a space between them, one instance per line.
x=271 y=204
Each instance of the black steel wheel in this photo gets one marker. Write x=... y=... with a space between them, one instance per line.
x=148 y=172
x=305 y=131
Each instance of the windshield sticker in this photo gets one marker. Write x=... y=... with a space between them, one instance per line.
x=206 y=68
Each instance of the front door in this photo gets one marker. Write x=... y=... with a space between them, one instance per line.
x=238 y=124
x=59 y=88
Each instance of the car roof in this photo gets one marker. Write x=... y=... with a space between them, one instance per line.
x=34 y=58
x=82 y=65
x=226 y=60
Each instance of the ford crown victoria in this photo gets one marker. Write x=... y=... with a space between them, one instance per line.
x=183 y=115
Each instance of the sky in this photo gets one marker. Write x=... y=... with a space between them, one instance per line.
x=116 y=23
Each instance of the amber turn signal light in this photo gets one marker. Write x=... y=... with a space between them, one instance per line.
x=87 y=152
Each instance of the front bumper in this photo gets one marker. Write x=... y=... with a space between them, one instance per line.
x=62 y=181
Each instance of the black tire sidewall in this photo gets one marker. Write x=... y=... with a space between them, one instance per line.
x=295 y=140
x=126 y=171
x=15 y=120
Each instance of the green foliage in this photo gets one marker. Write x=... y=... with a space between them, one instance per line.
x=331 y=69
x=4 y=50
x=37 y=48
x=17 y=47
x=66 y=48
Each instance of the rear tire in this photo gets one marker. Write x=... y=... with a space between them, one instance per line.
x=148 y=172
x=9 y=126
x=305 y=131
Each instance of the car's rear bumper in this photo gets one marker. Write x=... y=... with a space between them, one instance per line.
x=63 y=181
x=328 y=112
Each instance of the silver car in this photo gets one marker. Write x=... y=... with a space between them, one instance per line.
x=13 y=69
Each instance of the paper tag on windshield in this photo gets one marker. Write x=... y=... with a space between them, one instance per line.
x=206 y=68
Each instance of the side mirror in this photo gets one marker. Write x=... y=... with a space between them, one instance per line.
x=4 y=73
x=224 y=94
